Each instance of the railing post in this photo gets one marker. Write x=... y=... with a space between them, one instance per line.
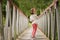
x=58 y=23
x=46 y=23
x=55 y=28
x=10 y=24
x=9 y=21
x=58 y=20
x=17 y=22
x=43 y=23
x=1 y=25
x=49 y=25
x=6 y=24
x=52 y=23
x=21 y=26
x=13 y=24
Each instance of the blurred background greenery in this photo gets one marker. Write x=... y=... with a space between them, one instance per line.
x=26 y=5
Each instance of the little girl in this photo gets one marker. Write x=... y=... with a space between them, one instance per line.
x=33 y=19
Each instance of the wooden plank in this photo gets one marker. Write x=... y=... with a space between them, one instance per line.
x=26 y=35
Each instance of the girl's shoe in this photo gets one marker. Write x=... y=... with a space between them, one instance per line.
x=33 y=36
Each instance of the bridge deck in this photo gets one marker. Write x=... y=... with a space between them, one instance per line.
x=26 y=35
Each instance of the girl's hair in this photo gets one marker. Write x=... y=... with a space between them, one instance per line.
x=32 y=13
x=33 y=10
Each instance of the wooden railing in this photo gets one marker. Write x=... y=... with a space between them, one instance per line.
x=16 y=22
x=49 y=21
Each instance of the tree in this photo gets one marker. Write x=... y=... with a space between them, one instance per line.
x=26 y=5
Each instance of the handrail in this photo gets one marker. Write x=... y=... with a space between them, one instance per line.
x=54 y=2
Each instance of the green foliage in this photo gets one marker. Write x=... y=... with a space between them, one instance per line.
x=16 y=2
x=4 y=7
x=26 y=5
x=59 y=2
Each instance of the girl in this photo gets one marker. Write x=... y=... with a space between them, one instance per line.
x=33 y=19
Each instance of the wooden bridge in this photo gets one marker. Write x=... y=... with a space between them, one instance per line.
x=17 y=27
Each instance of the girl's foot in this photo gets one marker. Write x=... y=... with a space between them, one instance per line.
x=33 y=36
